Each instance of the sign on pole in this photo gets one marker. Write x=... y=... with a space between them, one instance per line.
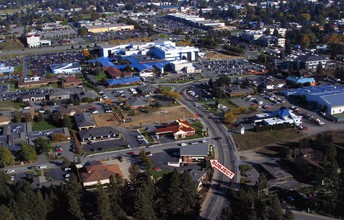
x=222 y=169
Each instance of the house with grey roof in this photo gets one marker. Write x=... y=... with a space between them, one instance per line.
x=195 y=153
x=136 y=103
x=84 y=121
x=34 y=97
x=99 y=134
x=147 y=90
x=198 y=177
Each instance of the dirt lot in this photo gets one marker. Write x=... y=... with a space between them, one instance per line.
x=103 y=120
x=251 y=140
x=160 y=115
x=218 y=56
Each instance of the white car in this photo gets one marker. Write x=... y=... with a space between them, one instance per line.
x=10 y=171
x=205 y=141
x=183 y=144
x=42 y=167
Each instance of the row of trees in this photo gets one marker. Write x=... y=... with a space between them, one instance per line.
x=256 y=203
x=174 y=196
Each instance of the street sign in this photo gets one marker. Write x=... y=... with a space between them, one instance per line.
x=222 y=169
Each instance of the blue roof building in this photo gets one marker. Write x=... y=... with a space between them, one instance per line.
x=124 y=81
x=329 y=96
x=301 y=80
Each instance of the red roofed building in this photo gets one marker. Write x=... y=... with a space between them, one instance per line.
x=113 y=72
x=179 y=129
x=99 y=172
x=71 y=81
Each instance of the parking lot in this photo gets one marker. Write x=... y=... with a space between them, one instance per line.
x=170 y=25
x=232 y=67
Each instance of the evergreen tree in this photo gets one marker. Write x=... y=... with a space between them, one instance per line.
x=74 y=196
x=40 y=211
x=275 y=210
x=190 y=204
x=66 y=122
x=143 y=204
x=115 y=195
x=289 y=215
x=262 y=185
x=6 y=213
x=103 y=204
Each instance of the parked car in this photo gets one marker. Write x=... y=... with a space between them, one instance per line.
x=10 y=171
x=42 y=167
x=183 y=144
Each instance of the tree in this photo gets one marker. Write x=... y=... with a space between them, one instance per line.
x=40 y=117
x=6 y=157
x=42 y=145
x=172 y=95
x=6 y=213
x=65 y=163
x=319 y=69
x=134 y=170
x=262 y=185
x=27 y=153
x=223 y=81
x=115 y=196
x=275 y=209
x=74 y=196
x=229 y=118
x=66 y=122
x=17 y=117
x=58 y=137
x=289 y=215
x=305 y=41
x=103 y=204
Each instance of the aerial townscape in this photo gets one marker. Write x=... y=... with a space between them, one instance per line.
x=171 y=110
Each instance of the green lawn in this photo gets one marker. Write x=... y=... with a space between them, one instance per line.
x=166 y=88
x=158 y=174
x=10 y=105
x=100 y=76
x=39 y=126
x=146 y=135
x=227 y=102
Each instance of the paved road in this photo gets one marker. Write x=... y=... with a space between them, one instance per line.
x=28 y=51
x=309 y=216
x=225 y=153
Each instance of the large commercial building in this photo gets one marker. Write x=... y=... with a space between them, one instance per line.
x=6 y=69
x=108 y=28
x=166 y=50
x=330 y=97
x=65 y=68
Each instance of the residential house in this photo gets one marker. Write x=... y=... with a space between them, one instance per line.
x=137 y=103
x=99 y=134
x=86 y=94
x=84 y=121
x=115 y=73
x=194 y=154
x=178 y=129
x=97 y=172
x=198 y=177
x=148 y=90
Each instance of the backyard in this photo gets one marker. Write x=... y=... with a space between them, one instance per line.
x=40 y=126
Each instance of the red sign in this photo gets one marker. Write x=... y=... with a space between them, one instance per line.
x=222 y=169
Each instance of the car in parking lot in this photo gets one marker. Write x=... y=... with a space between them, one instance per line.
x=10 y=171
x=42 y=167
x=183 y=144
x=193 y=143
x=217 y=138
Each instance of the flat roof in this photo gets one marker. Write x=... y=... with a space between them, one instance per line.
x=195 y=150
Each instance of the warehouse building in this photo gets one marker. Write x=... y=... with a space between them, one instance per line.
x=329 y=97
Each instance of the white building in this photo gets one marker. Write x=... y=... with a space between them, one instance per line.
x=166 y=50
x=65 y=68
x=279 y=117
x=182 y=66
x=169 y=51
x=33 y=41
x=6 y=69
